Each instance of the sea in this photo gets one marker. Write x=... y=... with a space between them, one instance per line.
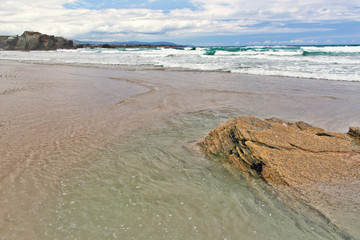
x=340 y=63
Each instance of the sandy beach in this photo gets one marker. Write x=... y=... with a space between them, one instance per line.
x=53 y=118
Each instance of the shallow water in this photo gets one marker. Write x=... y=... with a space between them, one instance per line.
x=91 y=153
x=149 y=186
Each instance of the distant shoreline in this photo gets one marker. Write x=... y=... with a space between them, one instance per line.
x=37 y=41
x=75 y=44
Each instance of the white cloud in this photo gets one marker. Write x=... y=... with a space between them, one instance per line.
x=280 y=10
x=291 y=42
x=216 y=17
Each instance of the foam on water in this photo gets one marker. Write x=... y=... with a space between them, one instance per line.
x=339 y=49
x=320 y=62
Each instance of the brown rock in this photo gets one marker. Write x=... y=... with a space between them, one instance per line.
x=354 y=132
x=314 y=164
x=34 y=41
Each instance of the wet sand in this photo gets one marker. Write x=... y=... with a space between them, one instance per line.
x=53 y=116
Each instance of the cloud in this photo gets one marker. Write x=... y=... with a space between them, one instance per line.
x=283 y=10
x=211 y=17
x=291 y=42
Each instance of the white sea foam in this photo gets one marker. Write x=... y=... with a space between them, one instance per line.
x=344 y=49
x=322 y=62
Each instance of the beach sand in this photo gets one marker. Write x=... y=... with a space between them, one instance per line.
x=53 y=116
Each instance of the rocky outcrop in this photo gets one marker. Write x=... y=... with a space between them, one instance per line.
x=34 y=41
x=282 y=152
x=319 y=167
x=38 y=41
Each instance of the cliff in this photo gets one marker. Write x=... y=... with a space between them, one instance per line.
x=34 y=41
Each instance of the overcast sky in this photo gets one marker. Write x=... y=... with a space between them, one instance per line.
x=197 y=22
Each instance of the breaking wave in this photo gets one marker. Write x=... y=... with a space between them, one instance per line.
x=319 y=62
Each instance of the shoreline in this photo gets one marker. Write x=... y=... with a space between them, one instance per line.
x=154 y=67
x=53 y=116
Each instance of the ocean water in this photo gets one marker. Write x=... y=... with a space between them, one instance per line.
x=319 y=62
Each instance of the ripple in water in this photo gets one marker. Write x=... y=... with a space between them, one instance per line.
x=149 y=186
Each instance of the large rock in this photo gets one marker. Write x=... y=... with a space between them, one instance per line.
x=34 y=41
x=319 y=167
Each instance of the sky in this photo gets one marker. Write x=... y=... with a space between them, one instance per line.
x=191 y=22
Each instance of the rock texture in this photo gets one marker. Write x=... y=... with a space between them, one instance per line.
x=354 y=132
x=34 y=41
x=321 y=168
